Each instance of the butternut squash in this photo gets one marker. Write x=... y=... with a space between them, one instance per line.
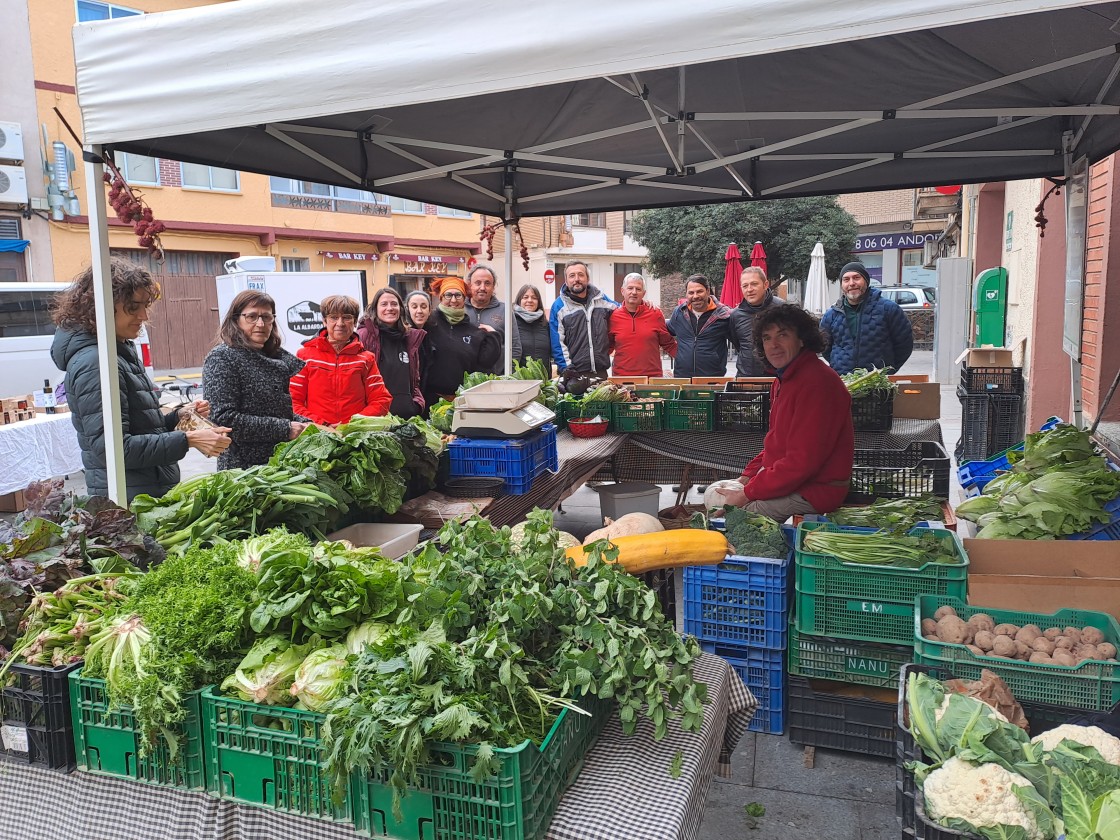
x=642 y=553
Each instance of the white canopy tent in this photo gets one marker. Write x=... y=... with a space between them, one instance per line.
x=563 y=107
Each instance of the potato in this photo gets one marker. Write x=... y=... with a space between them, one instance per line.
x=1022 y=649
x=1004 y=646
x=1043 y=645
x=1052 y=633
x=933 y=637
x=943 y=611
x=1107 y=649
x=928 y=626
x=976 y=650
x=981 y=621
x=1092 y=636
x=1027 y=634
x=951 y=628
x=984 y=639
x=1039 y=656
x=1089 y=652
x=1064 y=643
x=1074 y=635
x=1006 y=630
x=1063 y=657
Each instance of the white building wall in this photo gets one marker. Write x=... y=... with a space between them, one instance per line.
x=1020 y=258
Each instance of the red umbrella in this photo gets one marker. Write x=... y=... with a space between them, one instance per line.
x=758 y=257
x=731 y=293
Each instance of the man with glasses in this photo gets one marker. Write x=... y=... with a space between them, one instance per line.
x=487 y=312
x=340 y=377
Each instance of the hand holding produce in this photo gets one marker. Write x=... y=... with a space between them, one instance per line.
x=211 y=442
x=726 y=492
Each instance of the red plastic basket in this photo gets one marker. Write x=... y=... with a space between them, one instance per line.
x=587 y=427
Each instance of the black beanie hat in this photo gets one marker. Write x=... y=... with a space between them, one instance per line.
x=858 y=268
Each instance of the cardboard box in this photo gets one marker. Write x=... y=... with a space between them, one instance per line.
x=986 y=357
x=669 y=380
x=918 y=400
x=20 y=403
x=629 y=380
x=1044 y=575
x=13 y=502
x=712 y=380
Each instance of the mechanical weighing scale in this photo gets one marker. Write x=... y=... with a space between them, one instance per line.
x=500 y=409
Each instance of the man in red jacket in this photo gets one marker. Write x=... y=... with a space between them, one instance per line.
x=806 y=460
x=638 y=333
x=340 y=378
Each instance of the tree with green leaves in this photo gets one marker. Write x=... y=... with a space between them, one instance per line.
x=693 y=240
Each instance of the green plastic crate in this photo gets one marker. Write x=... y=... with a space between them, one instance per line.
x=268 y=755
x=664 y=392
x=869 y=603
x=698 y=392
x=842 y=660
x=1090 y=685
x=689 y=415
x=107 y=740
x=637 y=416
x=566 y=411
x=515 y=804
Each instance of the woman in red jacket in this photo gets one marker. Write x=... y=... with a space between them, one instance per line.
x=341 y=377
x=806 y=460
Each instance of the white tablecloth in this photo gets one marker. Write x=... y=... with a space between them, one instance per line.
x=36 y=449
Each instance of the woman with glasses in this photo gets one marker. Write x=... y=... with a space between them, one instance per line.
x=456 y=345
x=340 y=378
x=152 y=446
x=246 y=378
x=396 y=348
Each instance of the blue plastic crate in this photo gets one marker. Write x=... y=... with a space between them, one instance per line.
x=764 y=673
x=517 y=461
x=974 y=475
x=743 y=601
x=1108 y=530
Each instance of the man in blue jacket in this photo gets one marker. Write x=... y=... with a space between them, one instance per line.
x=580 y=323
x=864 y=329
x=704 y=329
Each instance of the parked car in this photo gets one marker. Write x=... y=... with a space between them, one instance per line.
x=911 y=297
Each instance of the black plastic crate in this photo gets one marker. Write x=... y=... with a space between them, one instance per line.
x=663 y=584
x=990 y=423
x=35 y=714
x=873 y=411
x=737 y=386
x=743 y=411
x=819 y=717
x=921 y=469
x=989 y=380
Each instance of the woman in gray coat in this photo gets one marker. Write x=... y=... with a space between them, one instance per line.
x=152 y=447
x=246 y=378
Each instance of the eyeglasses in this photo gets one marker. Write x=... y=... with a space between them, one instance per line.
x=343 y=319
x=453 y=295
x=263 y=317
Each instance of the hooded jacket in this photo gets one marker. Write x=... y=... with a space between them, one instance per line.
x=493 y=315
x=703 y=351
x=637 y=339
x=536 y=343
x=152 y=448
x=455 y=349
x=370 y=336
x=884 y=338
x=811 y=445
x=334 y=385
x=581 y=331
x=746 y=362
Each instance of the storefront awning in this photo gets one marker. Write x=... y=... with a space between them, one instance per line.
x=16 y=245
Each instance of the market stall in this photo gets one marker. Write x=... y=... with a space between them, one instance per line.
x=32 y=450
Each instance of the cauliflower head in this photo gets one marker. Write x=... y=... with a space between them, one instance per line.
x=1090 y=736
x=980 y=794
x=944 y=707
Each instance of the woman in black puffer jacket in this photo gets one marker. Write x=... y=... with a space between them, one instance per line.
x=152 y=447
x=532 y=325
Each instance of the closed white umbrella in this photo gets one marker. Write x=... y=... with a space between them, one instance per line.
x=817 y=298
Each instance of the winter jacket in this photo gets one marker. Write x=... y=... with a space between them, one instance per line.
x=370 y=336
x=637 y=339
x=747 y=363
x=248 y=392
x=536 y=343
x=152 y=448
x=702 y=352
x=581 y=331
x=885 y=337
x=455 y=349
x=494 y=315
x=810 y=445
x=334 y=385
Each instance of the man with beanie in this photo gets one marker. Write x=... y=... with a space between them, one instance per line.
x=486 y=311
x=864 y=329
x=757 y=298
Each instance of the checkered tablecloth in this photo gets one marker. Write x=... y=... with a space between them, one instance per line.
x=624 y=791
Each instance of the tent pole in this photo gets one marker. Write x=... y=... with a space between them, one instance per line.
x=106 y=325
x=510 y=326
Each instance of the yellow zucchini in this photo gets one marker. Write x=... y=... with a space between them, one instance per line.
x=642 y=553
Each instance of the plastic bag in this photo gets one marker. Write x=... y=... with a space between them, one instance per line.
x=191 y=421
x=727 y=492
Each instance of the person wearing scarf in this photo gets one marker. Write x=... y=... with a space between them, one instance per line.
x=456 y=346
x=532 y=327
x=396 y=346
x=757 y=298
x=703 y=329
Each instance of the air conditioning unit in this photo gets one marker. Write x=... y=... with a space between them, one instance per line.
x=11 y=141
x=13 y=185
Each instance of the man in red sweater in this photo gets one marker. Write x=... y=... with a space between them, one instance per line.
x=806 y=460
x=340 y=378
x=638 y=333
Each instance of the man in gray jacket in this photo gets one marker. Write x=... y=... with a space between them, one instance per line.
x=487 y=312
